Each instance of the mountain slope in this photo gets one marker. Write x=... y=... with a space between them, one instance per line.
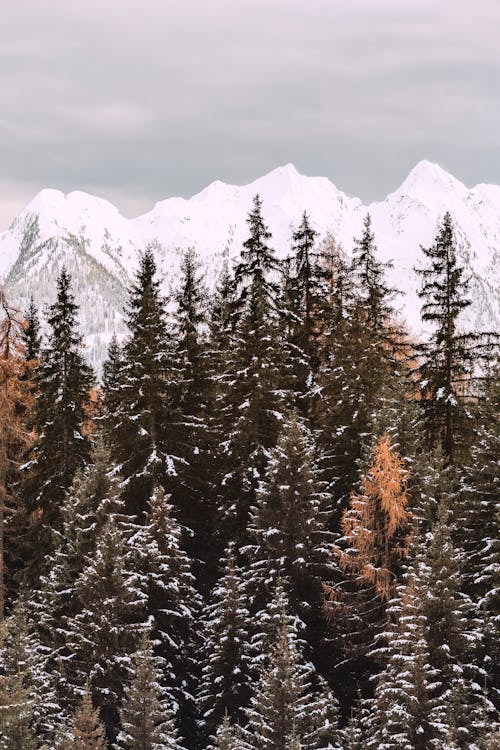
x=100 y=247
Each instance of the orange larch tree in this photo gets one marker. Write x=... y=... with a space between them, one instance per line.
x=376 y=524
x=15 y=398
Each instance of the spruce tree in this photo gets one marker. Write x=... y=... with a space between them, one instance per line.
x=146 y=715
x=225 y=681
x=254 y=397
x=227 y=737
x=142 y=409
x=361 y=356
x=278 y=709
x=173 y=604
x=62 y=446
x=87 y=732
x=28 y=704
x=191 y=487
x=288 y=530
x=449 y=357
x=306 y=306
x=110 y=619
x=93 y=499
x=404 y=695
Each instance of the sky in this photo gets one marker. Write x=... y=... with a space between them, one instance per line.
x=139 y=100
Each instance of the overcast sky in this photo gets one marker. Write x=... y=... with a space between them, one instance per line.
x=137 y=100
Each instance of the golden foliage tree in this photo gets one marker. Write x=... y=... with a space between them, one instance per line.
x=15 y=399
x=376 y=524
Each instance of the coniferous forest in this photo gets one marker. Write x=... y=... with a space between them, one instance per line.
x=271 y=524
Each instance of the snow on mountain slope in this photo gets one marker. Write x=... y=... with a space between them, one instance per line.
x=100 y=247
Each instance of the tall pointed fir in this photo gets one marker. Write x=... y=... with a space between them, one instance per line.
x=173 y=604
x=254 y=397
x=147 y=717
x=361 y=356
x=308 y=304
x=29 y=710
x=449 y=357
x=87 y=731
x=287 y=529
x=142 y=409
x=93 y=499
x=192 y=488
x=278 y=710
x=226 y=677
x=105 y=630
x=404 y=696
x=62 y=445
x=454 y=634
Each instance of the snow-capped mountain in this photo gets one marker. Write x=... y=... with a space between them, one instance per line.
x=101 y=247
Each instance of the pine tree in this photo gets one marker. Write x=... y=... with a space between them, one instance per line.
x=192 y=493
x=31 y=335
x=225 y=683
x=278 y=709
x=402 y=716
x=62 y=446
x=288 y=529
x=140 y=395
x=305 y=305
x=28 y=706
x=227 y=737
x=147 y=718
x=112 y=383
x=173 y=604
x=108 y=624
x=93 y=499
x=449 y=357
x=254 y=397
x=87 y=731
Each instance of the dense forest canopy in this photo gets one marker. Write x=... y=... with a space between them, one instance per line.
x=273 y=525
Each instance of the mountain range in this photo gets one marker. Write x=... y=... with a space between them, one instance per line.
x=100 y=247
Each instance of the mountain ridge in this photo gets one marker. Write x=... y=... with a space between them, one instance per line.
x=88 y=233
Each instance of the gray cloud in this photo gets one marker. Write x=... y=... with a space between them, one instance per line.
x=139 y=100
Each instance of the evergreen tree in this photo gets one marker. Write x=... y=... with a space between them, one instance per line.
x=227 y=737
x=28 y=706
x=147 y=718
x=449 y=356
x=254 y=398
x=173 y=604
x=402 y=716
x=287 y=526
x=370 y=275
x=361 y=357
x=305 y=305
x=87 y=731
x=105 y=630
x=31 y=334
x=62 y=446
x=112 y=383
x=323 y=731
x=93 y=499
x=225 y=683
x=191 y=487
x=279 y=708
x=142 y=409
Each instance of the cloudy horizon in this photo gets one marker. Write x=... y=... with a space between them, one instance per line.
x=137 y=102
